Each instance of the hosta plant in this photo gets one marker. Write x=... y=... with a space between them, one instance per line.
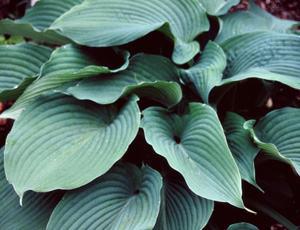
x=128 y=114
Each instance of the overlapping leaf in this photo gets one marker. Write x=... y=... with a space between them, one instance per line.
x=66 y=64
x=242 y=226
x=19 y=65
x=37 y=20
x=124 y=198
x=267 y=55
x=255 y=19
x=147 y=75
x=278 y=133
x=218 y=7
x=240 y=143
x=116 y=22
x=59 y=142
x=195 y=146
x=35 y=212
x=207 y=71
x=180 y=207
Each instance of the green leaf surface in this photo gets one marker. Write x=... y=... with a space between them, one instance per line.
x=207 y=71
x=37 y=20
x=278 y=134
x=267 y=55
x=147 y=75
x=58 y=136
x=255 y=19
x=123 y=198
x=218 y=7
x=19 y=66
x=67 y=64
x=242 y=226
x=35 y=212
x=180 y=207
x=195 y=146
x=241 y=145
x=117 y=22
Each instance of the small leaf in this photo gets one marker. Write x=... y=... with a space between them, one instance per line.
x=19 y=65
x=123 y=198
x=37 y=20
x=117 y=22
x=180 y=207
x=195 y=146
x=218 y=7
x=66 y=64
x=35 y=212
x=255 y=19
x=147 y=75
x=240 y=143
x=242 y=226
x=267 y=55
x=207 y=71
x=58 y=136
x=278 y=134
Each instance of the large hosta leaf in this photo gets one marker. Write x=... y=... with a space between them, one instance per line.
x=278 y=133
x=266 y=55
x=147 y=75
x=240 y=143
x=67 y=64
x=207 y=71
x=195 y=146
x=255 y=19
x=116 y=22
x=19 y=65
x=218 y=7
x=242 y=226
x=37 y=20
x=35 y=212
x=180 y=207
x=57 y=137
x=123 y=198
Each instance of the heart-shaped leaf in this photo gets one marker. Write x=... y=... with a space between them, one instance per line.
x=255 y=19
x=147 y=75
x=37 y=20
x=207 y=71
x=180 y=207
x=117 y=22
x=123 y=198
x=195 y=146
x=278 y=134
x=218 y=7
x=267 y=55
x=240 y=143
x=67 y=64
x=58 y=136
x=19 y=65
x=35 y=212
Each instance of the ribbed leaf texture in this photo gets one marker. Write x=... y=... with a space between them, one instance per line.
x=67 y=64
x=207 y=72
x=278 y=133
x=124 y=198
x=180 y=207
x=267 y=55
x=57 y=137
x=35 y=24
x=195 y=146
x=147 y=75
x=241 y=145
x=218 y=7
x=116 y=22
x=35 y=212
x=19 y=65
x=255 y=19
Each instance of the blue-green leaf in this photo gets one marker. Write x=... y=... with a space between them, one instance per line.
x=218 y=7
x=123 y=198
x=242 y=226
